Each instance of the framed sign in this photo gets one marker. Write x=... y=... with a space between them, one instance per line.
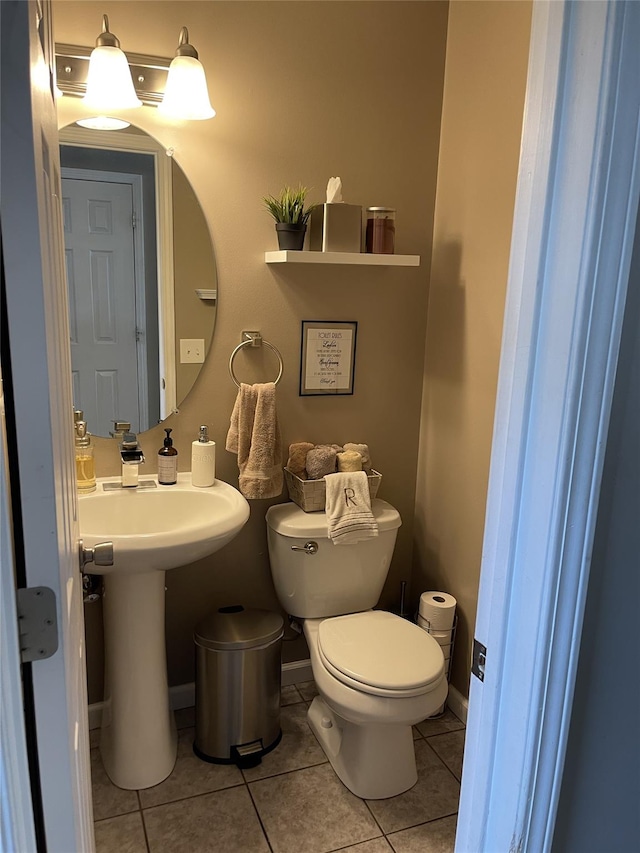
x=327 y=358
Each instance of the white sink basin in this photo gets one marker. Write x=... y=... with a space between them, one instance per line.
x=162 y=528
x=152 y=530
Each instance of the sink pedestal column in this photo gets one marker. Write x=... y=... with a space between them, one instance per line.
x=138 y=741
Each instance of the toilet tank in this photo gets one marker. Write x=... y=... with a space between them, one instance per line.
x=336 y=579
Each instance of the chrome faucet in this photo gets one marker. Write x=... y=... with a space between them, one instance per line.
x=132 y=456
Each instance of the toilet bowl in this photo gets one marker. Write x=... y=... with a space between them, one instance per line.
x=376 y=673
x=364 y=728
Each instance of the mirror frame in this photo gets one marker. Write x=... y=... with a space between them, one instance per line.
x=146 y=144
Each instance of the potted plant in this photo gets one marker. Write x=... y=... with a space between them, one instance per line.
x=290 y=215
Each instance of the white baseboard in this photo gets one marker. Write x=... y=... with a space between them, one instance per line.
x=458 y=703
x=184 y=695
x=295 y=672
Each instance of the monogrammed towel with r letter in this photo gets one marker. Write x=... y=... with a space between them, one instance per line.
x=348 y=508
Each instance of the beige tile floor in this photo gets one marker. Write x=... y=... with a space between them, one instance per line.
x=291 y=803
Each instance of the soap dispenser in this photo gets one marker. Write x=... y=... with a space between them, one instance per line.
x=167 y=462
x=85 y=463
x=203 y=460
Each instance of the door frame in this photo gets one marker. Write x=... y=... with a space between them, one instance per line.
x=17 y=827
x=576 y=207
x=139 y=144
x=36 y=365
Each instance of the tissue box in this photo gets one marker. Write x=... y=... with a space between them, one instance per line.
x=336 y=228
x=310 y=494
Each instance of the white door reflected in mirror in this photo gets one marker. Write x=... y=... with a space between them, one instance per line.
x=134 y=290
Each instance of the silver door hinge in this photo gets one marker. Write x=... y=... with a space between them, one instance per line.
x=134 y=220
x=37 y=623
x=479 y=659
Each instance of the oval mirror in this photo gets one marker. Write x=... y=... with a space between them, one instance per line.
x=141 y=277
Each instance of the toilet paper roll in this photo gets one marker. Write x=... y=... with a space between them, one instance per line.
x=443 y=638
x=439 y=609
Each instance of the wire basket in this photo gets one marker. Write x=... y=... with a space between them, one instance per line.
x=310 y=495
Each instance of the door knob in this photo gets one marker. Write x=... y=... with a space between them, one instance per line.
x=100 y=555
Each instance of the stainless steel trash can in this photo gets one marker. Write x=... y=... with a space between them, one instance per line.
x=238 y=685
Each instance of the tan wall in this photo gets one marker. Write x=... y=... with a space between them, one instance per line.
x=303 y=91
x=485 y=76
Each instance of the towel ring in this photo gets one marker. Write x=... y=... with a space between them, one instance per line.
x=255 y=339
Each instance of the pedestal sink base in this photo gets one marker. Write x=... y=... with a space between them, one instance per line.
x=152 y=530
x=138 y=742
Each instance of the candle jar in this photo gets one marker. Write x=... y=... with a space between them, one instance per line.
x=381 y=230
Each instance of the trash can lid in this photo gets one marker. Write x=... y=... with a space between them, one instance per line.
x=238 y=628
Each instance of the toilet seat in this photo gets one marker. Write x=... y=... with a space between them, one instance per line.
x=381 y=654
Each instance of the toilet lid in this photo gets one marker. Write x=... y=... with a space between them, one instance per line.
x=380 y=649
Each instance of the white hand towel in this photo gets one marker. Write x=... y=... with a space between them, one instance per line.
x=348 y=508
x=254 y=435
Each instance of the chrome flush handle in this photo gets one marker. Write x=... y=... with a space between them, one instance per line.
x=308 y=547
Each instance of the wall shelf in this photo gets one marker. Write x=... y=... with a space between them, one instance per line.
x=361 y=258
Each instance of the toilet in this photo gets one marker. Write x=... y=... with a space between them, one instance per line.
x=376 y=673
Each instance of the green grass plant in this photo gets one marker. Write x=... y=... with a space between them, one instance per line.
x=289 y=206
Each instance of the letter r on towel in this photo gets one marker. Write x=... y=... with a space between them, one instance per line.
x=349 y=495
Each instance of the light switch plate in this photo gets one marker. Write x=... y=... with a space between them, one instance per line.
x=191 y=350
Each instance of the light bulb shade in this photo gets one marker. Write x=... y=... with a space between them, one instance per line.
x=186 y=95
x=103 y=123
x=109 y=83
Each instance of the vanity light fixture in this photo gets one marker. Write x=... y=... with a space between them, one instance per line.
x=109 y=83
x=147 y=79
x=186 y=95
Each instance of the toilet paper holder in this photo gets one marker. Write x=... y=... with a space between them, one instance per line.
x=445 y=638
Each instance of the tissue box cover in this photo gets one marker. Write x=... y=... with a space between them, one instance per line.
x=310 y=494
x=336 y=228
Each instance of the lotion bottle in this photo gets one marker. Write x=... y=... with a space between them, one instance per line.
x=167 y=462
x=203 y=460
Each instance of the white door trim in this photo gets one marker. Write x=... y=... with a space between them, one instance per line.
x=17 y=831
x=75 y=135
x=43 y=468
x=576 y=206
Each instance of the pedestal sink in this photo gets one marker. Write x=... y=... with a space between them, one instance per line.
x=152 y=530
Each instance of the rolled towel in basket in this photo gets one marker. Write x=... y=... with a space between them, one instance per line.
x=321 y=460
x=297 y=462
x=363 y=450
x=348 y=508
x=349 y=460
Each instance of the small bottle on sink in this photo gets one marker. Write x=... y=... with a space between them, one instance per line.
x=167 y=462
x=203 y=460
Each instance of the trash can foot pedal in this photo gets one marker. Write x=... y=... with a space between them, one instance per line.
x=247 y=755
x=244 y=755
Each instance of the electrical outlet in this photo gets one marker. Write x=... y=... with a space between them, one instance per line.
x=191 y=350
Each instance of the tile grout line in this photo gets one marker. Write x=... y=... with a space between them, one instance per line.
x=191 y=796
x=284 y=772
x=255 y=808
x=375 y=819
x=444 y=763
x=144 y=824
